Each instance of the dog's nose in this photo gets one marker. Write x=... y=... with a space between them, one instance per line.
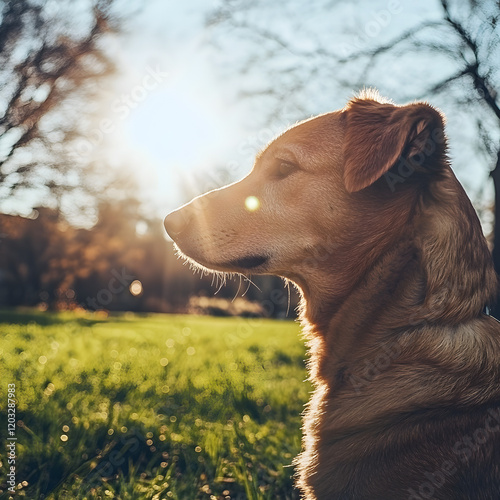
x=175 y=222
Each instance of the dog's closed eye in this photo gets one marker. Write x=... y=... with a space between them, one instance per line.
x=282 y=169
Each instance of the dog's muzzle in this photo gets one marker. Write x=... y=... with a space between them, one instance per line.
x=175 y=222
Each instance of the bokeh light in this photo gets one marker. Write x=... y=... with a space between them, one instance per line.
x=135 y=288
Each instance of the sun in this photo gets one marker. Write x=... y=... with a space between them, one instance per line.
x=174 y=126
x=181 y=127
x=184 y=132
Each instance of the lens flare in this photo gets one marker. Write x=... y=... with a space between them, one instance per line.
x=135 y=288
x=252 y=203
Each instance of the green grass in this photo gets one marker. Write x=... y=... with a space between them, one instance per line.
x=153 y=407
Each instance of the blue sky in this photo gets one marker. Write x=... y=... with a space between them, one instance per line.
x=192 y=123
x=175 y=112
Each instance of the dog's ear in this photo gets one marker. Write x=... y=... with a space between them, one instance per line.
x=379 y=135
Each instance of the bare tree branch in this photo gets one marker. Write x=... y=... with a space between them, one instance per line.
x=43 y=65
x=382 y=49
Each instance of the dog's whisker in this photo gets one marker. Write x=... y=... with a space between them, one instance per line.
x=250 y=282
x=237 y=291
x=287 y=286
x=246 y=289
x=221 y=282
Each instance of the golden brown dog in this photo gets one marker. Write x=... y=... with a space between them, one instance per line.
x=361 y=210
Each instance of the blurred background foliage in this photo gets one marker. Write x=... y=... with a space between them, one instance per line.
x=73 y=218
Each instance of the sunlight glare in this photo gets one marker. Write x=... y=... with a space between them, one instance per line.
x=252 y=203
x=173 y=126
x=180 y=127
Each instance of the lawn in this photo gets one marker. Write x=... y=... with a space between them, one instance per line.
x=151 y=407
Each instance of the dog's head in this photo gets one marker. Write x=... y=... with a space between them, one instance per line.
x=330 y=193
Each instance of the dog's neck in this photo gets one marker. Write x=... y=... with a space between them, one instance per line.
x=432 y=276
x=384 y=300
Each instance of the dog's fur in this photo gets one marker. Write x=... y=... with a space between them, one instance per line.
x=361 y=210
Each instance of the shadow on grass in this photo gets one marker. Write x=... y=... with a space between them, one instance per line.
x=26 y=317
x=92 y=463
x=47 y=318
x=51 y=466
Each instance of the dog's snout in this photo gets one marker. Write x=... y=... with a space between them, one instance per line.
x=175 y=222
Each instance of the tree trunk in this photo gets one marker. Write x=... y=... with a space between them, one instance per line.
x=495 y=174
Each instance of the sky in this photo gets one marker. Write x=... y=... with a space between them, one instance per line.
x=175 y=113
x=191 y=123
x=186 y=125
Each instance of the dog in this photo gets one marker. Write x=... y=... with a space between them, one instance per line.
x=361 y=210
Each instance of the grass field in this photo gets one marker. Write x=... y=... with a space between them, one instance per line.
x=153 y=407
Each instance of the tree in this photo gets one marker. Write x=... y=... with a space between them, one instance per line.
x=52 y=58
x=452 y=56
